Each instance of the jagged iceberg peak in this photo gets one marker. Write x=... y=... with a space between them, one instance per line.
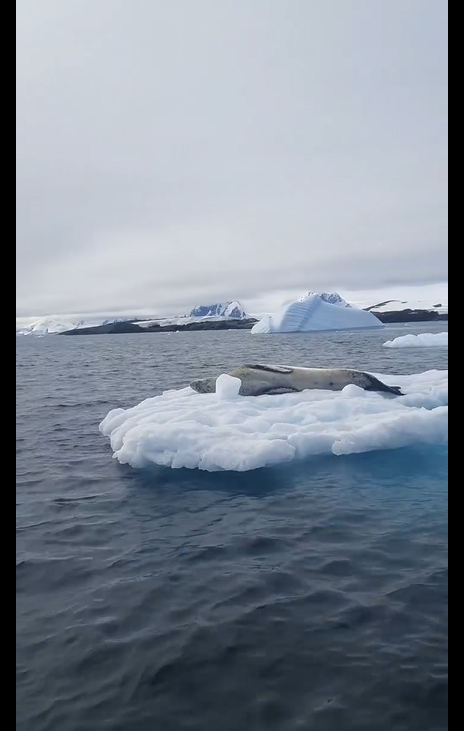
x=231 y=309
x=332 y=298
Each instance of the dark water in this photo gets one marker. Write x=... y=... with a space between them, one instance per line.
x=313 y=596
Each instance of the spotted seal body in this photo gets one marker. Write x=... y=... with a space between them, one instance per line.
x=262 y=379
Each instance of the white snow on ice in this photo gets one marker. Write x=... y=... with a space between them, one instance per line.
x=422 y=340
x=225 y=431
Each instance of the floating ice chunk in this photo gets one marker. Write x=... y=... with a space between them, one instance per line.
x=227 y=387
x=223 y=431
x=422 y=340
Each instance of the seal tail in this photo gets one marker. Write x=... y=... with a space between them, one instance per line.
x=396 y=390
x=376 y=385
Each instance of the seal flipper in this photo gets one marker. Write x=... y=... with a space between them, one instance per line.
x=276 y=391
x=396 y=390
x=376 y=385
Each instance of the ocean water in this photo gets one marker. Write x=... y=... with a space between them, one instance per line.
x=310 y=596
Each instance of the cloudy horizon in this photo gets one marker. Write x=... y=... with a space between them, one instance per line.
x=414 y=296
x=175 y=154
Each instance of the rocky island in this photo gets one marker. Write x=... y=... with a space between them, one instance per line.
x=132 y=326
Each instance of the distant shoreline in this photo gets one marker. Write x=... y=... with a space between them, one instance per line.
x=131 y=326
x=411 y=316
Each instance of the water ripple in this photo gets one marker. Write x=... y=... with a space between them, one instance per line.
x=310 y=597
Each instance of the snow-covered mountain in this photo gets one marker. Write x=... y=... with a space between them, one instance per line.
x=396 y=305
x=48 y=326
x=53 y=326
x=222 y=309
x=431 y=297
x=219 y=311
x=313 y=311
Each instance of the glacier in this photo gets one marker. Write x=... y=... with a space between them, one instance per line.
x=316 y=311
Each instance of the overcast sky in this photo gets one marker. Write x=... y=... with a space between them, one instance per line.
x=185 y=151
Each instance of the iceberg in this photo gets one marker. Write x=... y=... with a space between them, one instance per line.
x=316 y=311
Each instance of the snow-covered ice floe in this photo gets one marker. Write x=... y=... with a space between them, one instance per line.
x=224 y=431
x=422 y=340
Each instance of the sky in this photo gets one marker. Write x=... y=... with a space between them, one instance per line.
x=193 y=151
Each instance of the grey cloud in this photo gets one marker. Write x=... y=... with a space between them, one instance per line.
x=169 y=153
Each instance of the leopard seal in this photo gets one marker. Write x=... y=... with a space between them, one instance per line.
x=259 y=379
